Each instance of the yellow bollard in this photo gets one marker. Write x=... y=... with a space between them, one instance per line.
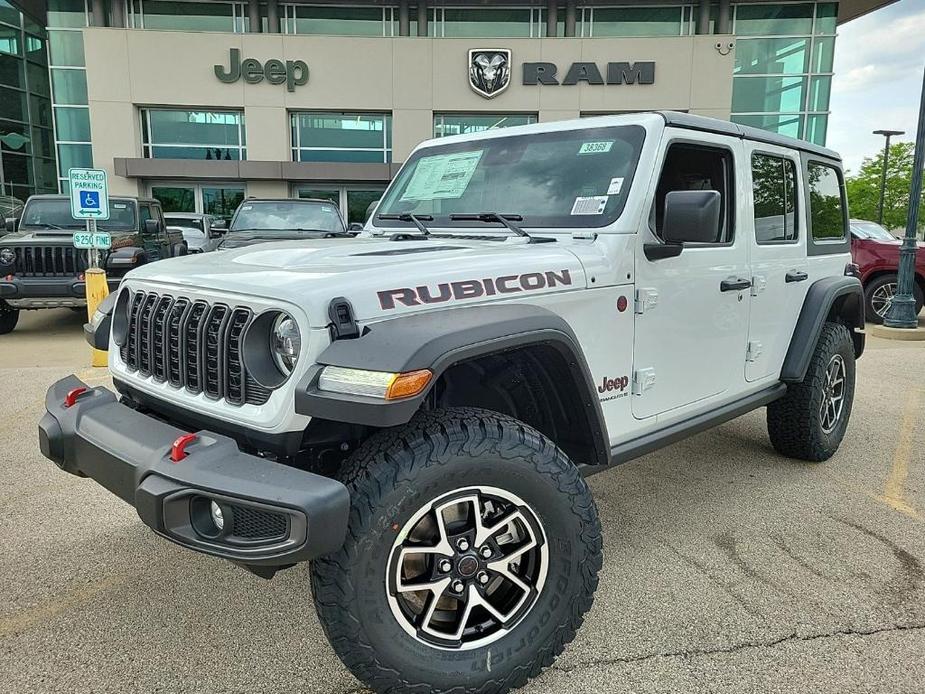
x=97 y=290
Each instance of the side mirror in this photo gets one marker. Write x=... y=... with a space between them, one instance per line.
x=354 y=226
x=370 y=209
x=691 y=216
x=12 y=223
x=220 y=225
x=152 y=227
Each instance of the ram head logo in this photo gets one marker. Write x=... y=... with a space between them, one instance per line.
x=489 y=71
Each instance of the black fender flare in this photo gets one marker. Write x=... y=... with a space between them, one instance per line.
x=830 y=297
x=121 y=260
x=437 y=340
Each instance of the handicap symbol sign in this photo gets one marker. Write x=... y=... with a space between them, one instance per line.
x=90 y=199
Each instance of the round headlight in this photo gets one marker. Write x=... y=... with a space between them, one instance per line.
x=285 y=343
x=7 y=256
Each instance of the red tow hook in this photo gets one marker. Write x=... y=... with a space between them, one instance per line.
x=178 y=450
x=72 y=396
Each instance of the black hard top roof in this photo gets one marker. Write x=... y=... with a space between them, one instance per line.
x=61 y=196
x=688 y=121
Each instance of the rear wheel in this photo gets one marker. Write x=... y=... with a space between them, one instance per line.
x=9 y=317
x=880 y=292
x=810 y=421
x=471 y=557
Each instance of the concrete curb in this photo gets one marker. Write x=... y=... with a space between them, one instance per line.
x=910 y=334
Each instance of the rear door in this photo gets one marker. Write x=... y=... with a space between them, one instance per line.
x=777 y=246
x=692 y=310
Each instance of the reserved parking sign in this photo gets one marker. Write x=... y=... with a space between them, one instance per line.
x=89 y=193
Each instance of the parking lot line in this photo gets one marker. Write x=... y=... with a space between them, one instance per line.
x=44 y=611
x=893 y=490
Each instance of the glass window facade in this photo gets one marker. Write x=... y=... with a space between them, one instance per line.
x=340 y=21
x=182 y=134
x=340 y=136
x=783 y=69
x=635 y=21
x=169 y=15
x=68 y=78
x=27 y=157
x=464 y=124
x=484 y=22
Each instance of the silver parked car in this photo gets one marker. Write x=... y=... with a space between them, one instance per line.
x=202 y=232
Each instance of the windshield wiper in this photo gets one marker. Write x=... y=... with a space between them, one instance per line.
x=416 y=219
x=505 y=220
x=44 y=225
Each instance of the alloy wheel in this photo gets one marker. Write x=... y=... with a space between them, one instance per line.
x=466 y=568
x=882 y=298
x=833 y=394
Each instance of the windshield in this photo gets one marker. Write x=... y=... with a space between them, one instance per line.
x=191 y=222
x=870 y=230
x=55 y=213
x=281 y=216
x=570 y=178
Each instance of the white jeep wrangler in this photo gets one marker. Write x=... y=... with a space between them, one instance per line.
x=415 y=410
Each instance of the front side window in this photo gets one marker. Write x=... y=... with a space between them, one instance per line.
x=55 y=213
x=465 y=124
x=826 y=202
x=181 y=134
x=568 y=179
x=774 y=185
x=341 y=136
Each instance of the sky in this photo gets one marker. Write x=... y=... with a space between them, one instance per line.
x=879 y=63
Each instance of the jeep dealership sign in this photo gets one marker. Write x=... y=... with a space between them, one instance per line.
x=293 y=72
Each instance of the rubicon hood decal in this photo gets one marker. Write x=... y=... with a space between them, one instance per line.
x=472 y=289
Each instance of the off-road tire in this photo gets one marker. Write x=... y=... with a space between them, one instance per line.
x=389 y=478
x=9 y=317
x=794 y=422
x=876 y=285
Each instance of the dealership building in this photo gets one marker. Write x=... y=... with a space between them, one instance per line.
x=200 y=104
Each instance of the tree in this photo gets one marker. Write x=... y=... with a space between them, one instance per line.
x=864 y=187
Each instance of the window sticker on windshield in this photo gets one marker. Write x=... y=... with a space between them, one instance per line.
x=590 y=205
x=248 y=207
x=442 y=176
x=595 y=147
x=119 y=205
x=616 y=185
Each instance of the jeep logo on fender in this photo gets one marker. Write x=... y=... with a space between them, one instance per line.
x=613 y=384
x=294 y=73
x=472 y=289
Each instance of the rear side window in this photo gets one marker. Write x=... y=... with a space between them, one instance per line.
x=774 y=185
x=826 y=202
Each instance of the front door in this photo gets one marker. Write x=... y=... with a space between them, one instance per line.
x=778 y=251
x=155 y=244
x=692 y=310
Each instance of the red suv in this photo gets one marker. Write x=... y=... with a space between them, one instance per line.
x=876 y=252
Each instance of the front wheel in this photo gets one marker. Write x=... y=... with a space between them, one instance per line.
x=810 y=421
x=471 y=557
x=9 y=317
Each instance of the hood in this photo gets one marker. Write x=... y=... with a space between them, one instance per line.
x=240 y=239
x=35 y=236
x=380 y=278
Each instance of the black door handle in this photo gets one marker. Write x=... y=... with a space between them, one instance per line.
x=796 y=276
x=735 y=285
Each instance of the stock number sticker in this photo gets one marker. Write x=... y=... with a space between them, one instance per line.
x=595 y=147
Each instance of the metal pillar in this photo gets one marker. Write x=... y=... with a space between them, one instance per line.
x=886 y=160
x=552 y=17
x=901 y=313
x=703 y=17
x=98 y=13
x=724 y=21
x=570 y=12
x=422 y=18
x=253 y=16
x=404 y=21
x=272 y=16
x=117 y=9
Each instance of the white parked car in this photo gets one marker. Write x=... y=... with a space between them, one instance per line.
x=415 y=409
x=202 y=232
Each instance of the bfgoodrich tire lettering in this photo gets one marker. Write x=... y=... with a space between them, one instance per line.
x=802 y=424
x=391 y=478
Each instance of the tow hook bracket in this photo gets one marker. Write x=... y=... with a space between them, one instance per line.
x=178 y=449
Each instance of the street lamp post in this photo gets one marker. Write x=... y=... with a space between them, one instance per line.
x=901 y=313
x=886 y=160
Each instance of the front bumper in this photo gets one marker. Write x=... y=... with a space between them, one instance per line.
x=46 y=292
x=128 y=453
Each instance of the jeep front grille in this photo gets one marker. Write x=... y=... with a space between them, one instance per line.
x=48 y=261
x=192 y=345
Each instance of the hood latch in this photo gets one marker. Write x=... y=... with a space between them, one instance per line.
x=343 y=324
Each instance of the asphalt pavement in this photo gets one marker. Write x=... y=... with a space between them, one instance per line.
x=727 y=568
